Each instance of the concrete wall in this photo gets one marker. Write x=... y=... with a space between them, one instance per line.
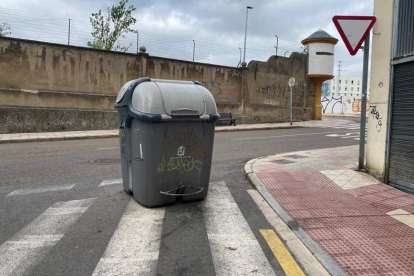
x=379 y=86
x=268 y=91
x=50 y=77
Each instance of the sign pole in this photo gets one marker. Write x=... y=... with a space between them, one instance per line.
x=291 y=106
x=291 y=84
x=364 y=104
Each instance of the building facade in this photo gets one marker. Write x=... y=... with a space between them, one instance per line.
x=326 y=88
x=342 y=95
x=347 y=86
x=390 y=124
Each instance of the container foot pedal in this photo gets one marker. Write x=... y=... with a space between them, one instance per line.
x=179 y=191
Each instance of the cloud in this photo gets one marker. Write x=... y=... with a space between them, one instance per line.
x=168 y=28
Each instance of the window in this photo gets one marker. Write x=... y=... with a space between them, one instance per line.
x=352 y=95
x=346 y=81
x=357 y=89
x=358 y=83
x=340 y=81
x=345 y=94
x=339 y=88
x=333 y=87
x=352 y=89
x=346 y=88
x=352 y=82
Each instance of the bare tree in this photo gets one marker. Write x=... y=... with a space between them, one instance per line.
x=109 y=27
x=4 y=29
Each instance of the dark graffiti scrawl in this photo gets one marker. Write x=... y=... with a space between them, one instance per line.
x=376 y=115
x=330 y=103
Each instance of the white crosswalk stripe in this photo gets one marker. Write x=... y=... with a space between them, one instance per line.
x=25 y=249
x=234 y=248
x=110 y=182
x=345 y=126
x=42 y=189
x=134 y=247
x=355 y=135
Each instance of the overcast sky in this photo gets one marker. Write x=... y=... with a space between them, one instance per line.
x=168 y=27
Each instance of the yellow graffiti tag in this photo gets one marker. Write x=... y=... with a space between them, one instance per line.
x=181 y=164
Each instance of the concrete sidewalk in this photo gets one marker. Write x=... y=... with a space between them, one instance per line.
x=352 y=223
x=94 y=134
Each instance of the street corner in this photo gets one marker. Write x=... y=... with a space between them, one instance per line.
x=338 y=211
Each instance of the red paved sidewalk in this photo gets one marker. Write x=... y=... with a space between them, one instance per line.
x=365 y=226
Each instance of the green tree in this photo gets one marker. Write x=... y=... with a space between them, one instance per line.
x=109 y=27
x=4 y=29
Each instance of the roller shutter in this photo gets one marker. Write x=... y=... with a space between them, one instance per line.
x=401 y=162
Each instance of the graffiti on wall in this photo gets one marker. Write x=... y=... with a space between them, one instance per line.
x=376 y=115
x=94 y=81
x=356 y=105
x=275 y=91
x=341 y=105
x=270 y=102
x=330 y=103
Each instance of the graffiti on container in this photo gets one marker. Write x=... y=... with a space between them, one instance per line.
x=376 y=115
x=330 y=103
x=181 y=151
x=180 y=164
x=270 y=102
x=188 y=139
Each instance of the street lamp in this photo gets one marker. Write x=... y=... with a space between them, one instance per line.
x=277 y=43
x=245 y=32
x=284 y=55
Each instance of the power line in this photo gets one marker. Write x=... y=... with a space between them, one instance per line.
x=29 y=25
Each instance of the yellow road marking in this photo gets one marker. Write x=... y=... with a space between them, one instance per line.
x=283 y=256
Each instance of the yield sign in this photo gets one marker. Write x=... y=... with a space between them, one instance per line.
x=353 y=30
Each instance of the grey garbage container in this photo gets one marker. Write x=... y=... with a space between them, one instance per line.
x=166 y=131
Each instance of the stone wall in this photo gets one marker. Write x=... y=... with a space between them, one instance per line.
x=52 y=87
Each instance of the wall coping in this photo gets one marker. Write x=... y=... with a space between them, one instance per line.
x=114 y=52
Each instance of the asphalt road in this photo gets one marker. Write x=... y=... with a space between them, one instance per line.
x=51 y=191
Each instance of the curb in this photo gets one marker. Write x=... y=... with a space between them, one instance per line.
x=327 y=262
x=258 y=128
x=47 y=139
x=44 y=139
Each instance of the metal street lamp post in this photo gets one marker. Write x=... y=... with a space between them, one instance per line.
x=277 y=43
x=245 y=32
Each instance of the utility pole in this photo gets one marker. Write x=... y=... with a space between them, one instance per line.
x=277 y=43
x=245 y=32
x=240 y=57
x=364 y=104
x=193 y=49
x=341 y=64
x=69 y=33
x=137 y=41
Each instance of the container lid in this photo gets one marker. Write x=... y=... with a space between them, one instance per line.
x=121 y=93
x=172 y=98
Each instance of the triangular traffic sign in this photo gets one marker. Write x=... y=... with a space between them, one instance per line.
x=353 y=30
